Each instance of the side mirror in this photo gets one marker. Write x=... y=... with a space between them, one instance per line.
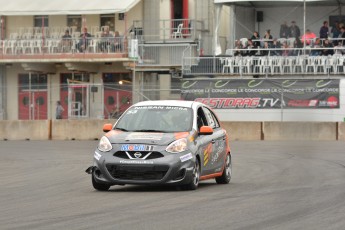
x=205 y=130
x=107 y=127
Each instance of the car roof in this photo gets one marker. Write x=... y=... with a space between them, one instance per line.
x=180 y=103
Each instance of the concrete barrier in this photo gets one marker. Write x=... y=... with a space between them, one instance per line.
x=92 y=129
x=243 y=130
x=78 y=129
x=24 y=130
x=300 y=131
x=341 y=131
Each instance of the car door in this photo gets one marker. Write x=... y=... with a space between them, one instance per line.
x=203 y=143
x=217 y=139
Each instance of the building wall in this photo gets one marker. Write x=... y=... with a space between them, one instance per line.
x=15 y=22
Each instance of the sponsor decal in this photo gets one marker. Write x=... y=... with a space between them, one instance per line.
x=160 y=107
x=220 y=150
x=254 y=83
x=302 y=103
x=264 y=93
x=136 y=162
x=221 y=84
x=225 y=103
x=136 y=147
x=97 y=156
x=207 y=153
x=331 y=102
x=186 y=157
x=144 y=136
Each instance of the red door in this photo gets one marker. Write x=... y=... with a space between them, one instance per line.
x=32 y=105
x=116 y=102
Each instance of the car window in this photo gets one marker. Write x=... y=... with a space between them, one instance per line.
x=211 y=118
x=156 y=118
x=201 y=118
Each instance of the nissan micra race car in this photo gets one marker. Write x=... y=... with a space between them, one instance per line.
x=162 y=142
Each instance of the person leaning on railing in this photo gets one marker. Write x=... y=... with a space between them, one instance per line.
x=84 y=41
x=66 y=42
x=107 y=41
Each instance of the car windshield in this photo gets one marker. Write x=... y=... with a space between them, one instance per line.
x=156 y=119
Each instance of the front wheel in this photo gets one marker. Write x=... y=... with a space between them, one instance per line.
x=196 y=177
x=99 y=186
x=227 y=172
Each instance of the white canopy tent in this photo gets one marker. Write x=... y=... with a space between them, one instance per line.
x=65 y=7
x=274 y=3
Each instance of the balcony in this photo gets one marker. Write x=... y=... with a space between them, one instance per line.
x=303 y=64
x=167 y=31
x=53 y=49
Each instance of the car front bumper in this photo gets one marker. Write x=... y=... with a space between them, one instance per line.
x=176 y=169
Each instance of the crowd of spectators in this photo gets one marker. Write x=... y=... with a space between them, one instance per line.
x=107 y=42
x=291 y=42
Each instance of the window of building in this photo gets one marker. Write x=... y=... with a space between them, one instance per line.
x=33 y=82
x=108 y=20
x=41 y=20
x=74 y=20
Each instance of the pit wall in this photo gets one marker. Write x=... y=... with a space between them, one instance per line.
x=248 y=131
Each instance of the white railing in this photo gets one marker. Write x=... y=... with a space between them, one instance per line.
x=63 y=45
x=265 y=65
x=167 y=30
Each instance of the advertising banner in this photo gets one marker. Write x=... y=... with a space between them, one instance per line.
x=263 y=93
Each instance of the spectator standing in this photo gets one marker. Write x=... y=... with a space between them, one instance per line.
x=294 y=30
x=66 y=42
x=341 y=36
x=59 y=110
x=308 y=37
x=268 y=37
x=324 y=30
x=107 y=41
x=118 y=41
x=284 y=30
x=256 y=38
x=84 y=40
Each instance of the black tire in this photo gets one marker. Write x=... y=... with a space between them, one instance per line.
x=99 y=186
x=227 y=172
x=196 y=177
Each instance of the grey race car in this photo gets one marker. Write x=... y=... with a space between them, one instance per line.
x=162 y=142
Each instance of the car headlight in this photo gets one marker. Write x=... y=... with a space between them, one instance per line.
x=104 y=144
x=177 y=146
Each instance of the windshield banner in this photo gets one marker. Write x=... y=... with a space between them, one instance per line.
x=263 y=93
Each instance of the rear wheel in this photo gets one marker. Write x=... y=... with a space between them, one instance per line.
x=99 y=186
x=227 y=172
x=196 y=177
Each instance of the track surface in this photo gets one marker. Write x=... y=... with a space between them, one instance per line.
x=275 y=185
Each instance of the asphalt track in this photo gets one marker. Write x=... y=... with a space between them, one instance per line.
x=275 y=185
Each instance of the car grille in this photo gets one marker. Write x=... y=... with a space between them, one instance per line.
x=138 y=172
x=144 y=155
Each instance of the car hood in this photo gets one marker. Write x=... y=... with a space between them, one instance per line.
x=154 y=138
